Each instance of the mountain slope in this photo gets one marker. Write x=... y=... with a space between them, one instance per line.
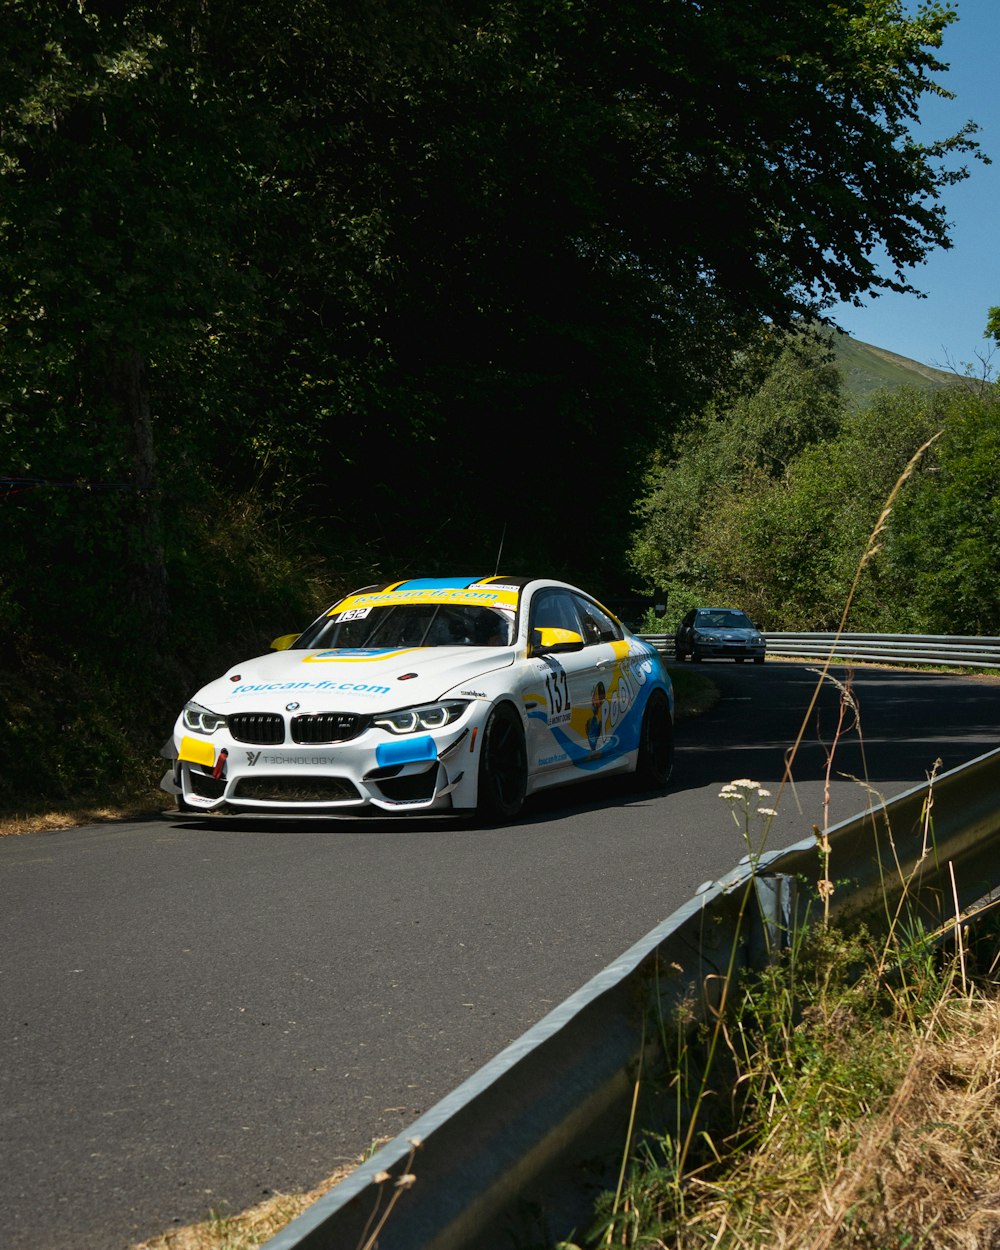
x=867 y=369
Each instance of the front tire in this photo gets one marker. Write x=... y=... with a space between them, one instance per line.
x=503 y=766
x=655 y=759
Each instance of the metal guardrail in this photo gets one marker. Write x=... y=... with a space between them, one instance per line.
x=664 y=643
x=517 y=1152
x=933 y=649
x=926 y=649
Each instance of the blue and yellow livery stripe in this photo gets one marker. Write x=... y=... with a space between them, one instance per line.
x=354 y=655
x=433 y=590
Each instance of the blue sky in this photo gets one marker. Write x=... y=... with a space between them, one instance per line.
x=962 y=283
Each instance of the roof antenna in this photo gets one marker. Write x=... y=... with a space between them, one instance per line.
x=500 y=552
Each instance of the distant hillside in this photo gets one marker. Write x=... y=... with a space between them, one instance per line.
x=867 y=369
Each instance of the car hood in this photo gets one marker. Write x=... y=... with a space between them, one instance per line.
x=721 y=631
x=346 y=680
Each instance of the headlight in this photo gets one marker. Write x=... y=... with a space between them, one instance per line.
x=430 y=716
x=201 y=720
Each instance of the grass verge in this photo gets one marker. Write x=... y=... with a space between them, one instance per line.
x=694 y=693
x=249 y=1228
x=853 y=1104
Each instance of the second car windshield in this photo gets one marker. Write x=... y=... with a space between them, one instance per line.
x=724 y=620
x=410 y=625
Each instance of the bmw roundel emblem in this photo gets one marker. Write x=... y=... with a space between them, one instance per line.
x=291 y=707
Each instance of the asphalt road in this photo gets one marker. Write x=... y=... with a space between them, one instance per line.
x=195 y=1017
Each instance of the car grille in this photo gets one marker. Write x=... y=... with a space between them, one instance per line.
x=263 y=729
x=295 y=789
x=327 y=727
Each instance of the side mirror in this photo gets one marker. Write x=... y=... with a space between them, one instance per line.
x=284 y=642
x=550 y=640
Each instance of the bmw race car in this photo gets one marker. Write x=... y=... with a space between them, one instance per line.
x=446 y=694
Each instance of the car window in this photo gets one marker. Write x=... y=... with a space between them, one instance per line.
x=463 y=626
x=410 y=625
x=723 y=619
x=597 y=625
x=555 y=609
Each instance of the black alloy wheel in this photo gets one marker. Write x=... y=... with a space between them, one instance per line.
x=503 y=766
x=655 y=760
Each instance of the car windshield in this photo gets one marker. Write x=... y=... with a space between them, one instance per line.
x=409 y=625
x=724 y=620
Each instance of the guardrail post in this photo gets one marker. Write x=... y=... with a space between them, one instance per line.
x=773 y=921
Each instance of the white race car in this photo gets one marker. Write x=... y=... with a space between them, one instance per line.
x=444 y=694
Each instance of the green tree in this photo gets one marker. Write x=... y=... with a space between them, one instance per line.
x=121 y=219
x=352 y=237
x=726 y=459
x=600 y=204
x=791 y=548
x=942 y=543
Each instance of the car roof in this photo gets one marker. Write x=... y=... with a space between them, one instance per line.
x=494 y=590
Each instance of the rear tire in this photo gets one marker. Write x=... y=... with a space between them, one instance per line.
x=503 y=766
x=655 y=759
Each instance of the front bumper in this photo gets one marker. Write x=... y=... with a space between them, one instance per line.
x=728 y=648
x=375 y=773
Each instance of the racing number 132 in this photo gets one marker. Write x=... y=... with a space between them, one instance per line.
x=558 y=692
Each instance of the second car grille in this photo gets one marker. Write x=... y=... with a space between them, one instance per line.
x=263 y=729
x=327 y=727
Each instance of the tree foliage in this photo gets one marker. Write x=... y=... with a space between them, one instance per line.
x=725 y=465
x=942 y=550
x=787 y=546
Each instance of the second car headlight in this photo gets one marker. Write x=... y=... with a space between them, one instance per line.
x=428 y=716
x=201 y=720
